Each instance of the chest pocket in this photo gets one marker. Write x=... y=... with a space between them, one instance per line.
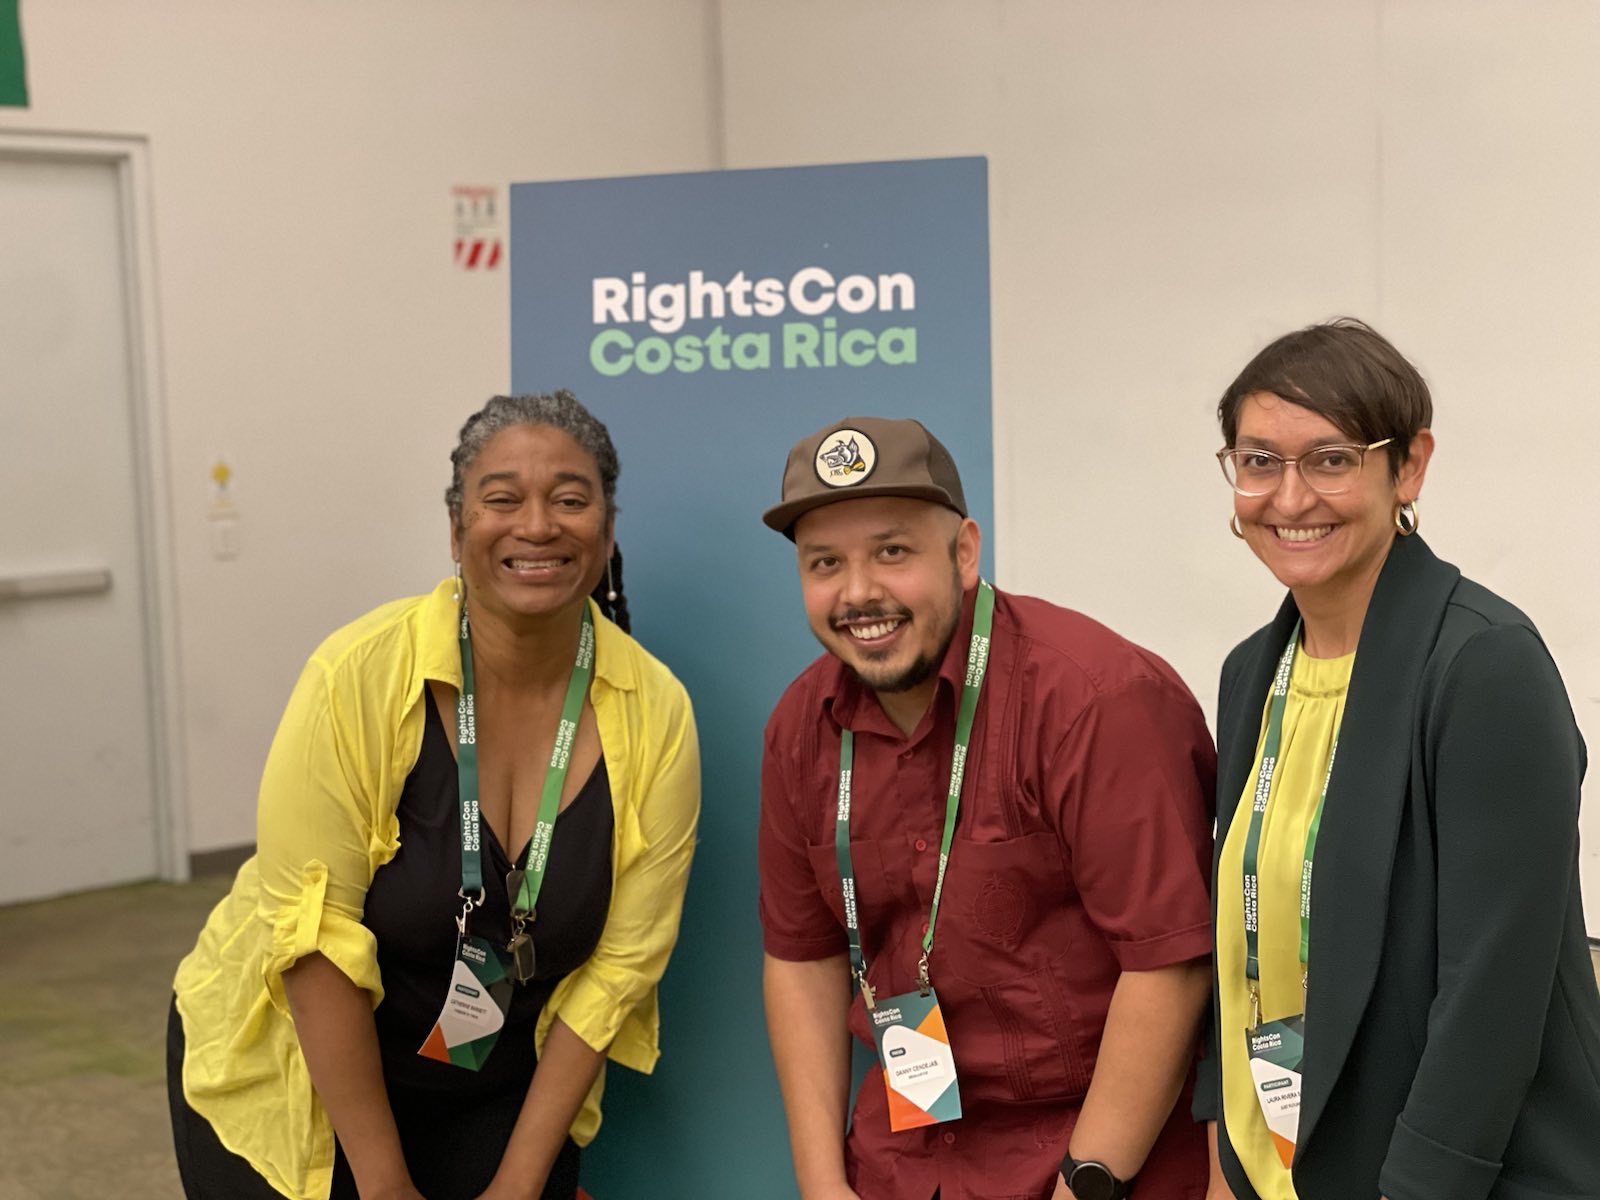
x=871 y=880
x=1002 y=909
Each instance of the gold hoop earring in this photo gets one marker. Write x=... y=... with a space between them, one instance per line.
x=1233 y=526
x=1406 y=518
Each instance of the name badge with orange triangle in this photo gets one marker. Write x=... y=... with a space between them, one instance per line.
x=474 y=1006
x=919 y=1069
x=1276 y=1049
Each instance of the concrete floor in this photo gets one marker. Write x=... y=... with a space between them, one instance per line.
x=84 y=986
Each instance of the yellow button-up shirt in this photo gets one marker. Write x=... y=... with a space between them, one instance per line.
x=326 y=822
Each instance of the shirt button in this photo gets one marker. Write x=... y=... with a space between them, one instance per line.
x=949 y=1138
x=920 y=844
x=924 y=927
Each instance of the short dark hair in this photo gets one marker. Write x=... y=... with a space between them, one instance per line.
x=1343 y=370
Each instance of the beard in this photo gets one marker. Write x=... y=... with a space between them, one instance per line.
x=886 y=677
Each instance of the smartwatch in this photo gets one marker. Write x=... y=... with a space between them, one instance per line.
x=1090 y=1180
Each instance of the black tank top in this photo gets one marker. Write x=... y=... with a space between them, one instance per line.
x=412 y=907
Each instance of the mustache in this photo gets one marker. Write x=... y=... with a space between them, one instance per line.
x=876 y=612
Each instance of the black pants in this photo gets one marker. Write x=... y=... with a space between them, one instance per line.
x=210 y=1171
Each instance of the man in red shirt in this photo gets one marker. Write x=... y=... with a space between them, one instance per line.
x=1012 y=900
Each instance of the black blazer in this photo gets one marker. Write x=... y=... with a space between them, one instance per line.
x=1452 y=1019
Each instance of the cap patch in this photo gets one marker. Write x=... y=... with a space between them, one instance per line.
x=845 y=458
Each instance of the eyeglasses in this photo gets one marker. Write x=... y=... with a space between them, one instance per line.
x=1328 y=470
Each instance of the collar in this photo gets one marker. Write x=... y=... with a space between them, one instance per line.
x=439 y=653
x=851 y=705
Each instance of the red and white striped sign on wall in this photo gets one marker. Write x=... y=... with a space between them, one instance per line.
x=477 y=252
x=480 y=234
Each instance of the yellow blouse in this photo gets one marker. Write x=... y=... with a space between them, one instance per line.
x=1311 y=716
x=326 y=822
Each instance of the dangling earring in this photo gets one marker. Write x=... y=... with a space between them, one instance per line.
x=1406 y=518
x=611 y=588
x=461 y=587
x=1233 y=524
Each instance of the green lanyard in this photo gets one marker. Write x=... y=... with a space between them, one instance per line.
x=977 y=664
x=1252 y=842
x=532 y=875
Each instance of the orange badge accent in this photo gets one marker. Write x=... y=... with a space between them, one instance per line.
x=1285 y=1149
x=902 y=1113
x=434 y=1047
x=933 y=1026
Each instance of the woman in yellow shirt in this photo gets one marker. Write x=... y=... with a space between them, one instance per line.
x=474 y=832
x=1404 y=1001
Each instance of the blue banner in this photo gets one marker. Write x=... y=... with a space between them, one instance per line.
x=711 y=320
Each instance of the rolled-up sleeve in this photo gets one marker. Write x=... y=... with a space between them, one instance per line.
x=656 y=847
x=1137 y=770
x=314 y=841
x=796 y=922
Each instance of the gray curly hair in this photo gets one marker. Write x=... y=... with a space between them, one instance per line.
x=560 y=410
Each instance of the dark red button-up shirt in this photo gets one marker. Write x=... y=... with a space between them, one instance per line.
x=1082 y=849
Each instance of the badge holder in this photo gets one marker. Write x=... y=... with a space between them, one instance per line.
x=919 y=1068
x=1275 y=1050
x=475 y=1007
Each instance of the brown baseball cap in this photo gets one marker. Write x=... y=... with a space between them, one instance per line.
x=865 y=456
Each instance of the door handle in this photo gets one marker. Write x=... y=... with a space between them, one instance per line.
x=54 y=583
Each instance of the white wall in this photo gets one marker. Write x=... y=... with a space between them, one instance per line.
x=1491 y=254
x=316 y=332
x=1172 y=184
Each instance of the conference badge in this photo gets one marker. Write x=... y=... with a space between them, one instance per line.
x=474 y=1008
x=1275 y=1049
x=919 y=1070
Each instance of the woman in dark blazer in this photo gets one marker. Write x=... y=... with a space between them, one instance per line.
x=1422 y=793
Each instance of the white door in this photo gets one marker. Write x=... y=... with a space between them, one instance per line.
x=77 y=797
